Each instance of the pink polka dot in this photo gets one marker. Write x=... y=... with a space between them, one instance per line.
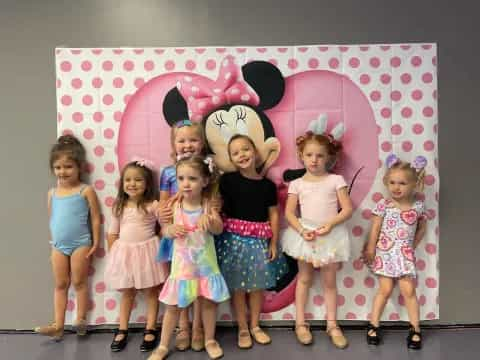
x=395 y=95
x=333 y=63
x=139 y=82
x=65 y=66
x=386 y=146
x=67 y=132
x=148 y=65
x=169 y=65
x=222 y=50
x=420 y=264
x=190 y=65
x=379 y=129
x=435 y=94
x=127 y=98
x=417 y=94
x=386 y=112
x=91 y=305
x=309 y=316
x=360 y=300
x=313 y=63
x=343 y=48
x=407 y=146
x=426 y=46
x=431 y=283
x=100 y=253
x=273 y=62
x=323 y=48
x=138 y=51
x=88 y=134
x=128 y=65
x=427 y=78
x=429 y=180
x=348 y=282
x=364 y=48
x=417 y=129
x=364 y=79
x=100 y=320
x=98 y=150
x=241 y=50
x=107 y=65
x=99 y=184
x=427 y=111
x=110 y=304
x=395 y=61
x=108 y=133
x=292 y=64
x=375 y=95
x=385 y=79
x=100 y=287
x=385 y=47
x=375 y=62
x=406 y=112
x=141 y=319
x=405 y=47
x=87 y=100
x=117 y=116
x=211 y=64
x=318 y=300
x=434 y=61
x=59 y=117
x=97 y=82
x=401 y=300
x=287 y=316
x=76 y=83
x=422 y=300
x=77 y=117
x=357 y=230
x=86 y=65
x=428 y=145
x=369 y=282
x=66 y=100
x=98 y=116
x=350 y=316
x=340 y=300
x=109 y=167
x=118 y=51
x=358 y=264
x=396 y=129
x=266 y=317
x=90 y=167
x=376 y=197
x=70 y=305
x=282 y=50
x=406 y=78
x=394 y=316
x=109 y=200
x=118 y=82
x=226 y=317
x=354 y=62
x=107 y=99
x=416 y=61
x=431 y=316
x=97 y=51
x=58 y=83
x=367 y=214
x=91 y=270
x=431 y=248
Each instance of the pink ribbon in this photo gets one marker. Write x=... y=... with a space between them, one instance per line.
x=143 y=162
x=229 y=88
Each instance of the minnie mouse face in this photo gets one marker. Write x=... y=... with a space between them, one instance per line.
x=233 y=104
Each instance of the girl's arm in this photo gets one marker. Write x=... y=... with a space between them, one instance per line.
x=368 y=253
x=290 y=207
x=344 y=214
x=273 y=218
x=95 y=218
x=420 y=232
x=111 y=238
x=215 y=223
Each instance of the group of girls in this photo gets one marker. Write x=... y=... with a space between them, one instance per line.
x=221 y=239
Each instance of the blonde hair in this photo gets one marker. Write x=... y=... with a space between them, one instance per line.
x=417 y=175
x=196 y=127
x=200 y=164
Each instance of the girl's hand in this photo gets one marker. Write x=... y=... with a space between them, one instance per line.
x=92 y=251
x=164 y=213
x=204 y=222
x=216 y=204
x=323 y=230
x=179 y=231
x=308 y=235
x=272 y=251
x=368 y=255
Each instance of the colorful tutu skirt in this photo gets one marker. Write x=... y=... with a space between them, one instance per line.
x=242 y=252
x=330 y=248
x=133 y=265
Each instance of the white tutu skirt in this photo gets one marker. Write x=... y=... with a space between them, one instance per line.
x=330 y=248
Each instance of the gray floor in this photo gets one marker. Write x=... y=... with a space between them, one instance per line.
x=456 y=344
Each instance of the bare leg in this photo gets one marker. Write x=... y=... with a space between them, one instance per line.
x=304 y=282
x=169 y=322
x=240 y=307
x=381 y=297
x=79 y=265
x=209 y=313
x=151 y=299
x=329 y=283
x=126 y=303
x=61 y=274
x=255 y=300
x=407 y=289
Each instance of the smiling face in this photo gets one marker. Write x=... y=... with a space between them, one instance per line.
x=242 y=154
x=400 y=184
x=221 y=125
x=134 y=183
x=66 y=170
x=188 y=141
x=315 y=158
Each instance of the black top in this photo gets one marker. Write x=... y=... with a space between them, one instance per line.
x=247 y=199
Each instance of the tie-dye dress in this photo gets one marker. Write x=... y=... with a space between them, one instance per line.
x=194 y=270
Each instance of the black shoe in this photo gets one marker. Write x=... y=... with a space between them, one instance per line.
x=149 y=345
x=374 y=339
x=119 y=345
x=414 y=344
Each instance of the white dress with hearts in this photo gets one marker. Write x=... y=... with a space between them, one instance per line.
x=395 y=256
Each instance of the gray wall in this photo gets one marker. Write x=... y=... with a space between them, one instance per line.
x=30 y=30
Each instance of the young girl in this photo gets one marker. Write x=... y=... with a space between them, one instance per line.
x=187 y=139
x=319 y=239
x=247 y=247
x=75 y=232
x=133 y=245
x=194 y=271
x=398 y=226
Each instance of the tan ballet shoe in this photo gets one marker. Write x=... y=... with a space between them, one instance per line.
x=260 y=336
x=160 y=353
x=214 y=350
x=56 y=333
x=198 y=339
x=244 y=339
x=182 y=340
x=304 y=335
x=340 y=341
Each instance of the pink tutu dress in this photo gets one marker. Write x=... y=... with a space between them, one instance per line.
x=131 y=261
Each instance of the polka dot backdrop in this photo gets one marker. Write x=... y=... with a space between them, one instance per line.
x=94 y=87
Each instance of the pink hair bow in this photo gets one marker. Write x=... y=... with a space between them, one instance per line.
x=143 y=162
x=229 y=88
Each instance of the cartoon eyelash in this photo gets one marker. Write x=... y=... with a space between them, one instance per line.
x=219 y=120
x=241 y=114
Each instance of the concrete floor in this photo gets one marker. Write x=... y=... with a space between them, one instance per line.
x=441 y=344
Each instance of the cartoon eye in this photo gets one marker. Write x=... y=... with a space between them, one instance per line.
x=241 y=122
x=225 y=130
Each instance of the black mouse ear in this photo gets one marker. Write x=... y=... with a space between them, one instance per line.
x=174 y=107
x=267 y=81
x=292 y=174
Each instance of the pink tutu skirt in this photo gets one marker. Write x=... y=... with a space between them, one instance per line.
x=133 y=265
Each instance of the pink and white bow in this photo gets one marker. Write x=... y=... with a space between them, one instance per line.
x=143 y=162
x=229 y=88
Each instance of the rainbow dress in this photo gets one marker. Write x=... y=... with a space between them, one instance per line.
x=194 y=269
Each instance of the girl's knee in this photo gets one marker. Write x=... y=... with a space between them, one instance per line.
x=62 y=284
